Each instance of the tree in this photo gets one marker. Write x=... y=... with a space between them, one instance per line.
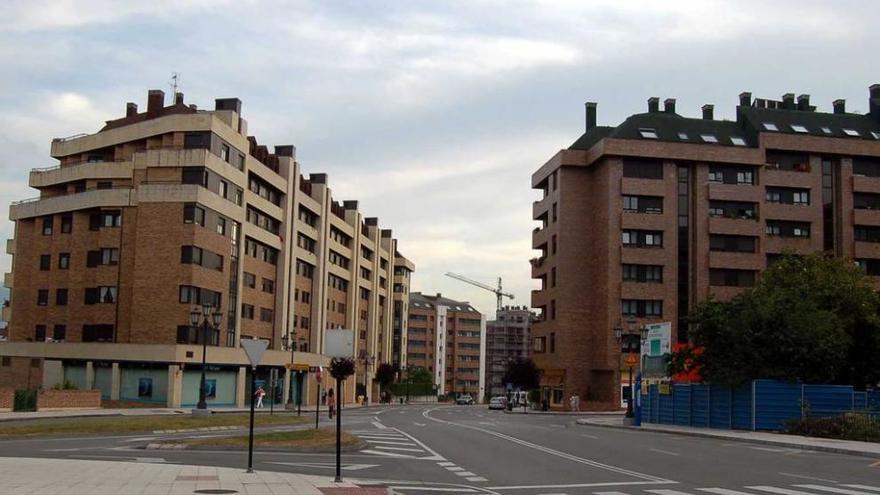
x=419 y=375
x=812 y=318
x=523 y=374
x=384 y=376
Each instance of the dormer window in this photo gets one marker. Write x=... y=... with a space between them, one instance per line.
x=770 y=126
x=683 y=136
x=709 y=138
x=648 y=133
x=738 y=141
x=799 y=128
x=851 y=132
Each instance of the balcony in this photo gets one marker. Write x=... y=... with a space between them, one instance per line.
x=862 y=183
x=800 y=177
x=44 y=177
x=539 y=237
x=7 y=280
x=864 y=249
x=541 y=207
x=735 y=192
x=95 y=198
x=740 y=261
x=540 y=298
x=803 y=245
x=798 y=213
x=6 y=313
x=722 y=225
x=866 y=217
x=10 y=246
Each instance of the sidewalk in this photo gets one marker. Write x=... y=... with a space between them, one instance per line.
x=865 y=449
x=159 y=411
x=76 y=477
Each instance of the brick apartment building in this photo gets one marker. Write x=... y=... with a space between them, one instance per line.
x=166 y=209
x=507 y=338
x=448 y=338
x=643 y=220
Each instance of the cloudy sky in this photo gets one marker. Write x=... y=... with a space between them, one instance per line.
x=432 y=114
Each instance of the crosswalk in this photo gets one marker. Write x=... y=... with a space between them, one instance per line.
x=390 y=442
x=798 y=489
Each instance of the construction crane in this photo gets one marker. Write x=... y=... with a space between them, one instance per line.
x=499 y=293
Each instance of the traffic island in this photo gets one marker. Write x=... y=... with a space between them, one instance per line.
x=322 y=440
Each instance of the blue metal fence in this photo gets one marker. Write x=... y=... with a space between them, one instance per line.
x=761 y=405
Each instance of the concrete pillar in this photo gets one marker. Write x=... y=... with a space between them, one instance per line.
x=285 y=392
x=90 y=375
x=114 y=382
x=175 y=386
x=240 y=385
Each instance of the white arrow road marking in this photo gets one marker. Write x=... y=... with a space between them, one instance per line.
x=420 y=424
x=379 y=425
x=327 y=465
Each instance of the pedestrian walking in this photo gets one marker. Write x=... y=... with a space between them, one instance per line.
x=323 y=397
x=259 y=394
x=331 y=405
x=574 y=402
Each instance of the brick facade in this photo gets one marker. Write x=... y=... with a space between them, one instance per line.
x=51 y=399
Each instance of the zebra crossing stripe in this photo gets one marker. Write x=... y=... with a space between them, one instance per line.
x=385 y=447
x=865 y=487
x=844 y=491
x=780 y=491
x=610 y=493
x=667 y=492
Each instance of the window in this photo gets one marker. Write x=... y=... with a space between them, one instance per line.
x=683 y=136
x=553 y=277
x=40 y=333
x=187 y=335
x=642 y=168
x=305 y=242
x=102 y=295
x=266 y=314
x=552 y=342
x=268 y=286
x=553 y=244
x=45 y=262
x=97 y=333
x=105 y=185
x=784 y=228
x=197 y=256
x=197 y=295
x=250 y=280
x=727 y=277
x=61 y=297
x=105 y=219
x=732 y=243
x=709 y=138
x=66 y=223
x=247 y=311
x=6 y=361
x=647 y=134
x=224 y=154
x=643 y=204
x=239 y=161
x=59 y=333
x=770 y=126
x=47 y=225
x=801 y=197
x=195 y=175
x=553 y=309
x=194 y=214
x=866 y=201
x=193 y=140
x=870 y=266
x=307 y=216
x=738 y=141
x=799 y=128
x=42 y=297
x=63 y=261
x=103 y=256
x=867 y=233
x=642 y=308
x=642 y=238
x=224 y=189
x=221 y=226
x=851 y=132
x=642 y=273
x=731 y=175
x=733 y=209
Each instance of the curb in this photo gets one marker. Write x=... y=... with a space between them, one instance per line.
x=568 y=413
x=758 y=441
x=322 y=450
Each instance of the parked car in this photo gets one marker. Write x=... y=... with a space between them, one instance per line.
x=465 y=400
x=497 y=402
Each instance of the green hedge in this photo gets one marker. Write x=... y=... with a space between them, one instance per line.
x=25 y=400
x=402 y=389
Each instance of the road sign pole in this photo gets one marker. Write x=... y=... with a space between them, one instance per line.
x=272 y=380
x=250 y=467
x=338 y=431
x=318 y=405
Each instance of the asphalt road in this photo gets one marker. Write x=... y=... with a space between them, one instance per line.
x=468 y=449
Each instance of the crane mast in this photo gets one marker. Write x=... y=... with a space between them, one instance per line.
x=498 y=291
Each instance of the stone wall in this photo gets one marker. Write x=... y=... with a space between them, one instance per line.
x=68 y=399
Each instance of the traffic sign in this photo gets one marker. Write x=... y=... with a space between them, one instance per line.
x=298 y=367
x=318 y=374
x=254 y=348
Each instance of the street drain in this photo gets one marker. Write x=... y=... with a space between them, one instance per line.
x=215 y=491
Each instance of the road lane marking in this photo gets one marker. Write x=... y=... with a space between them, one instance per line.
x=667 y=492
x=580 y=485
x=454 y=468
x=844 y=491
x=436 y=456
x=723 y=491
x=610 y=493
x=550 y=451
x=386 y=442
x=664 y=452
x=389 y=454
x=465 y=473
x=594 y=437
x=419 y=424
x=398 y=448
x=476 y=478
x=435 y=489
x=768 y=449
x=446 y=463
x=807 y=477
x=865 y=487
x=379 y=425
x=780 y=491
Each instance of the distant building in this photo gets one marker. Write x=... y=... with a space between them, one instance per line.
x=507 y=338
x=643 y=220
x=448 y=338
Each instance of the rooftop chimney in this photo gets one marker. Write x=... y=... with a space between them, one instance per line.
x=155 y=102
x=653 y=104
x=803 y=103
x=839 y=106
x=350 y=204
x=669 y=105
x=874 y=101
x=286 y=150
x=193 y=106
x=131 y=109
x=178 y=98
x=708 y=112
x=788 y=101
x=233 y=104
x=590 y=108
x=745 y=99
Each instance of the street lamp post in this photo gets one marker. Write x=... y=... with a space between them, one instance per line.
x=368 y=361
x=207 y=318
x=629 y=345
x=292 y=341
